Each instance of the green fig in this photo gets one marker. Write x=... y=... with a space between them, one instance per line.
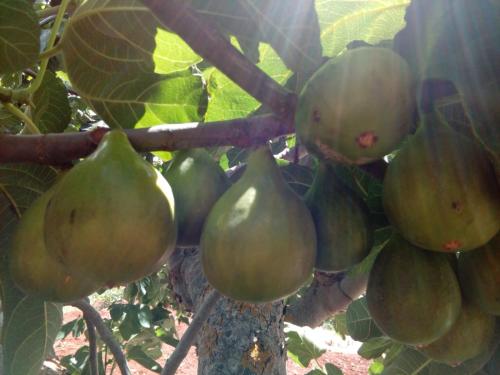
x=479 y=275
x=343 y=230
x=197 y=182
x=258 y=243
x=440 y=190
x=357 y=107
x=112 y=215
x=471 y=335
x=33 y=270
x=412 y=295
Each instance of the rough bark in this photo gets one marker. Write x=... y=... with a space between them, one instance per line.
x=238 y=338
x=327 y=295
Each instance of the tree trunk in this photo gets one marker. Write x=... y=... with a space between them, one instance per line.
x=238 y=338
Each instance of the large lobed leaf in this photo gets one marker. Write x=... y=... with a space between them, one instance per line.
x=19 y=35
x=131 y=70
x=459 y=41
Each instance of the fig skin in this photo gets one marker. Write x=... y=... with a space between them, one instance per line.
x=34 y=270
x=479 y=275
x=440 y=190
x=471 y=335
x=412 y=295
x=197 y=182
x=357 y=107
x=258 y=243
x=343 y=228
x=112 y=215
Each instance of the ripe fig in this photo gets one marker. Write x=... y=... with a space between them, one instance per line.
x=471 y=335
x=412 y=295
x=343 y=230
x=112 y=215
x=258 y=243
x=31 y=267
x=197 y=182
x=440 y=190
x=479 y=275
x=357 y=107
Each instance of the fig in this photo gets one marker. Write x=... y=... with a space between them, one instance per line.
x=412 y=295
x=343 y=230
x=440 y=190
x=197 y=182
x=479 y=275
x=258 y=242
x=111 y=217
x=357 y=107
x=33 y=269
x=471 y=335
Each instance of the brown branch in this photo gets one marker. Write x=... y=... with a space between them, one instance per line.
x=206 y=40
x=327 y=295
x=94 y=366
x=105 y=334
x=182 y=349
x=58 y=149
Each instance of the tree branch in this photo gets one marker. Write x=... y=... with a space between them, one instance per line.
x=206 y=40
x=105 y=334
x=327 y=295
x=58 y=149
x=94 y=367
x=182 y=349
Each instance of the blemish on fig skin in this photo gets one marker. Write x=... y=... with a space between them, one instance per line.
x=72 y=216
x=457 y=206
x=366 y=139
x=453 y=245
x=316 y=117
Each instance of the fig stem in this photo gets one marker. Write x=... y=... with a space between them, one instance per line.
x=182 y=349
x=206 y=40
x=105 y=334
x=94 y=368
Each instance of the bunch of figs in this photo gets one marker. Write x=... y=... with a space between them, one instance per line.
x=435 y=284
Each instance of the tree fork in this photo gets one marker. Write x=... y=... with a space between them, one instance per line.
x=206 y=40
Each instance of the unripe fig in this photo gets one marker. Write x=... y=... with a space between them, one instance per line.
x=112 y=215
x=357 y=107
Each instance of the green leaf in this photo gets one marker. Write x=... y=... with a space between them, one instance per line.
x=31 y=324
x=382 y=236
x=107 y=37
x=409 y=362
x=20 y=185
x=290 y=26
x=376 y=368
x=332 y=369
x=19 y=35
x=360 y=324
x=301 y=347
x=457 y=40
x=316 y=372
x=298 y=177
x=147 y=99
x=52 y=113
x=30 y=328
x=8 y=122
x=137 y=354
x=374 y=347
x=369 y=20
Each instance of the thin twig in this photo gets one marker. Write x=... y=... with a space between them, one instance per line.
x=94 y=367
x=105 y=334
x=206 y=40
x=57 y=149
x=182 y=349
